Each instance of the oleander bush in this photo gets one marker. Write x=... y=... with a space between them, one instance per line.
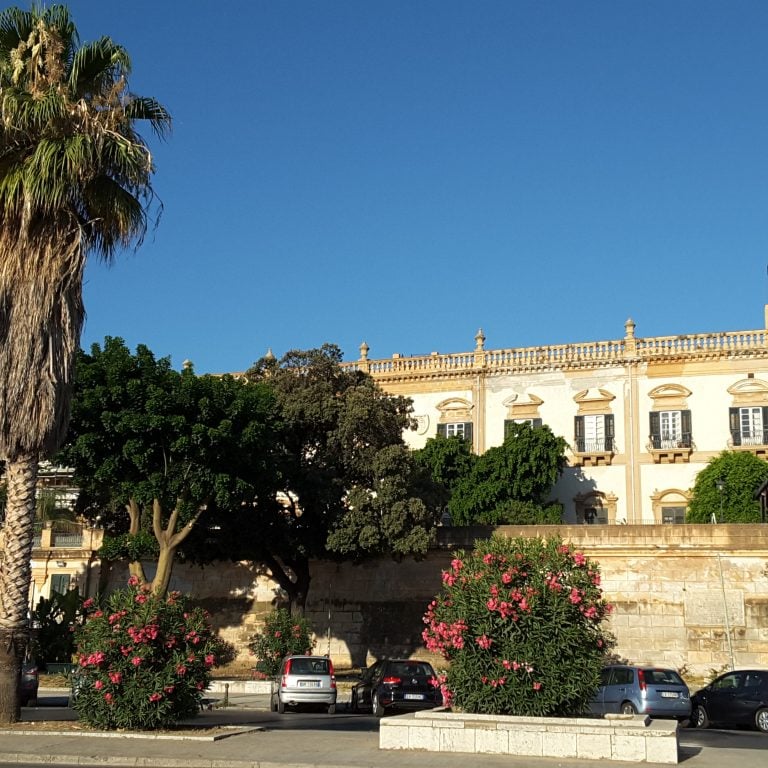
x=143 y=660
x=521 y=623
x=282 y=635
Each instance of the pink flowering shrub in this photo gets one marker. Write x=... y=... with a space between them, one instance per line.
x=143 y=661
x=520 y=621
x=283 y=635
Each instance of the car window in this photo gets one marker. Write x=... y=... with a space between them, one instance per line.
x=317 y=666
x=622 y=676
x=663 y=677
x=727 y=682
x=755 y=679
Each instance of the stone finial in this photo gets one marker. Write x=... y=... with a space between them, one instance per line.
x=479 y=340
x=270 y=354
x=187 y=365
x=364 y=348
x=629 y=328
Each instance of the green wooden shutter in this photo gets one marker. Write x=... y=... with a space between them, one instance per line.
x=536 y=423
x=578 y=430
x=508 y=424
x=734 y=425
x=442 y=430
x=685 y=423
x=655 y=429
x=609 y=431
x=765 y=426
x=468 y=431
x=60 y=583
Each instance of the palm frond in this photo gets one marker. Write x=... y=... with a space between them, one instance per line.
x=145 y=108
x=97 y=66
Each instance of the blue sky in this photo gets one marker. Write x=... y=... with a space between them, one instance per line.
x=406 y=171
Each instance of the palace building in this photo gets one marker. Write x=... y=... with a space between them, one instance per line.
x=641 y=416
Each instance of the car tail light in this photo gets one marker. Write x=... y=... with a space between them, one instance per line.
x=641 y=680
x=286 y=672
x=391 y=681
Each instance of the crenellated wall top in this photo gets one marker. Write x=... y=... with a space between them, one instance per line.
x=689 y=347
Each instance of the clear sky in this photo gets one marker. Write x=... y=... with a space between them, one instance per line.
x=406 y=171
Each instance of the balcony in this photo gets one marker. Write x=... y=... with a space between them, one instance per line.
x=597 y=452
x=750 y=441
x=671 y=448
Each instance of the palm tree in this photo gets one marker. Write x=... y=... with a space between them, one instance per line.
x=75 y=180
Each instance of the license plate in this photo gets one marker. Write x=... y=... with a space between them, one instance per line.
x=309 y=683
x=414 y=696
x=669 y=695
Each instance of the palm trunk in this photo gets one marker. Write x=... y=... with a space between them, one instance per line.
x=15 y=577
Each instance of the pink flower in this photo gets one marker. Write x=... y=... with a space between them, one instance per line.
x=578 y=558
x=537 y=686
x=133 y=581
x=116 y=677
x=278 y=633
x=98 y=685
x=210 y=660
x=484 y=642
x=142 y=598
x=155 y=696
x=89 y=603
x=457 y=564
x=136 y=660
x=108 y=698
x=488 y=558
x=575 y=596
x=181 y=670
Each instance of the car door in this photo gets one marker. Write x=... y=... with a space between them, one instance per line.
x=747 y=697
x=721 y=697
x=597 y=704
x=619 y=689
x=365 y=686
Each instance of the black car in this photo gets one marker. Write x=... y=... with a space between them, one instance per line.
x=735 y=698
x=28 y=684
x=401 y=684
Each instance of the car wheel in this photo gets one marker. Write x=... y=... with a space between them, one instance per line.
x=353 y=702
x=331 y=709
x=280 y=705
x=700 y=718
x=761 y=720
x=376 y=708
x=628 y=708
x=272 y=704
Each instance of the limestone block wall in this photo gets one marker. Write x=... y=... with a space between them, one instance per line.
x=693 y=596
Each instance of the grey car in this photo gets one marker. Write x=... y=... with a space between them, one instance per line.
x=304 y=681
x=653 y=691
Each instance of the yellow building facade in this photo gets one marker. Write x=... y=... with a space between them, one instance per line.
x=641 y=416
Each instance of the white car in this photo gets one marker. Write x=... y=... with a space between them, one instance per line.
x=304 y=680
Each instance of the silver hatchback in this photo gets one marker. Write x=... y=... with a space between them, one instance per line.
x=304 y=680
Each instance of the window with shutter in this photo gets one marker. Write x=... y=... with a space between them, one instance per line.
x=461 y=429
x=60 y=583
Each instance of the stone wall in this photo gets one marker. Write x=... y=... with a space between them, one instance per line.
x=677 y=589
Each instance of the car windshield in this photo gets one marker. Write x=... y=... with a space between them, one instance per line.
x=662 y=677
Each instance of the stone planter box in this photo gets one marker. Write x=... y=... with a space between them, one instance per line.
x=628 y=738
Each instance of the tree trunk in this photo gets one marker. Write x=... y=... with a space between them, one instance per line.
x=293 y=579
x=15 y=577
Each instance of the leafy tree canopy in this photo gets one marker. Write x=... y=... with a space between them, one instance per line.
x=164 y=445
x=740 y=474
x=523 y=469
x=339 y=455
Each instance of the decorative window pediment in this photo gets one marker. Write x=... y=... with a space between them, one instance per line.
x=455 y=409
x=748 y=391
x=594 y=401
x=669 y=397
x=522 y=407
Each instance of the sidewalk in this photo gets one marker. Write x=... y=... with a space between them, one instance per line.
x=270 y=740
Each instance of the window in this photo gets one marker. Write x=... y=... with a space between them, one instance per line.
x=670 y=429
x=509 y=422
x=673 y=515
x=594 y=434
x=60 y=583
x=461 y=429
x=748 y=425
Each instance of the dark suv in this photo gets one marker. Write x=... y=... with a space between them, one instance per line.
x=397 y=684
x=28 y=684
x=650 y=691
x=735 y=698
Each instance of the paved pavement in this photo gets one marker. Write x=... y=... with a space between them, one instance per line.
x=269 y=740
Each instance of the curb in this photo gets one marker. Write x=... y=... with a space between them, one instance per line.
x=14 y=758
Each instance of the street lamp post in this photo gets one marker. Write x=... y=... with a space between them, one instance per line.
x=720 y=487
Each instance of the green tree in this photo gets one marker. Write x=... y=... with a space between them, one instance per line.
x=340 y=435
x=740 y=474
x=523 y=469
x=75 y=180
x=154 y=449
x=448 y=460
